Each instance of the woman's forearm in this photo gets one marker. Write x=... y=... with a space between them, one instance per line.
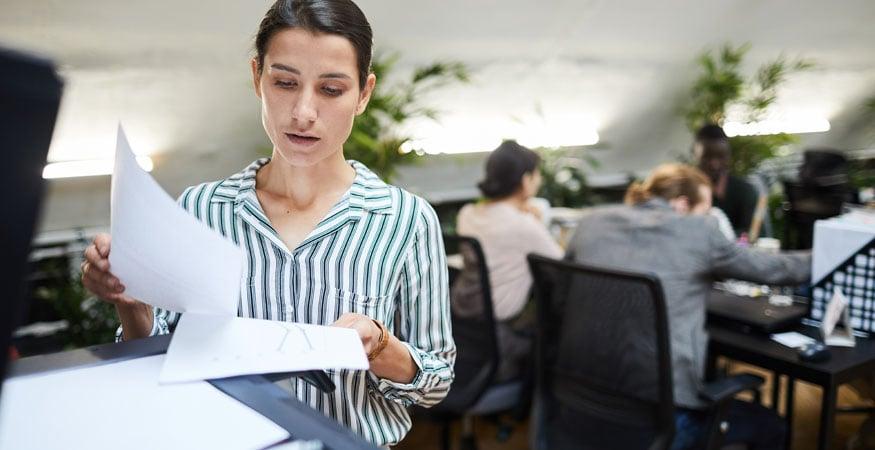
x=136 y=320
x=395 y=363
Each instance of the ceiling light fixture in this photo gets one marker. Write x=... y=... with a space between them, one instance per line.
x=769 y=126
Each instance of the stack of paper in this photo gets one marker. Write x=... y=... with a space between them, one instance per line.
x=167 y=258
x=122 y=406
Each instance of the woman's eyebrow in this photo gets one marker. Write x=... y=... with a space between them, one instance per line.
x=286 y=68
x=295 y=71
x=335 y=75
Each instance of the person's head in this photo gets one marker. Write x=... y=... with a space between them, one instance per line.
x=684 y=187
x=311 y=70
x=511 y=169
x=712 y=151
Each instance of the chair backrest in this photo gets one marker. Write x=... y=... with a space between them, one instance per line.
x=603 y=358
x=474 y=327
x=809 y=203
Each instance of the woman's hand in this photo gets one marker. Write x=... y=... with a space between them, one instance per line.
x=368 y=331
x=534 y=211
x=136 y=316
x=394 y=362
x=96 y=276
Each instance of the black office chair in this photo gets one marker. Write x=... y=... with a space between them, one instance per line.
x=475 y=391
x=822 y=188
x=807 y=204
x=603 y=362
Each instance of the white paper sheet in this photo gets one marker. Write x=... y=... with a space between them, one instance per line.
x=161 y=253
x=792 y=339
x=122 y=406
x=207 y=347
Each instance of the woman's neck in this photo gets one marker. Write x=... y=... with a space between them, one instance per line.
x=518 y=201
x=302 y=186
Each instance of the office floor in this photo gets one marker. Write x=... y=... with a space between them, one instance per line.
x=426 y=436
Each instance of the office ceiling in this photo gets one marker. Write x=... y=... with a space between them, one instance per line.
x=550 y=72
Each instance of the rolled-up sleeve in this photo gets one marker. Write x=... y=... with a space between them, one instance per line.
x=162 y=322
x=424 y=310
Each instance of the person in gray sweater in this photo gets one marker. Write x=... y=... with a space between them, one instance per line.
x=663 y=229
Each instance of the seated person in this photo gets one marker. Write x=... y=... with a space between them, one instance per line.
x=664 y=229
x=508 y=227
x=736 y=197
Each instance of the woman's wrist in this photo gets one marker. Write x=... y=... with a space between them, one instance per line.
x=380 y=342
x=136 y=320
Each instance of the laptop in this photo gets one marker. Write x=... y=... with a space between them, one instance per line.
x=30 y=92
x=754 y=314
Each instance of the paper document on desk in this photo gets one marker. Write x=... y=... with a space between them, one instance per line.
x=207 y=347
x=162 y=254
x=122 y=406
x=793 y=339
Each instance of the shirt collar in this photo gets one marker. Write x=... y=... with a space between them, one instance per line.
x=367 y=192
x=655 y=203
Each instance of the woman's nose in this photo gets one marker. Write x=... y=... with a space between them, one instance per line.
x=304 y=109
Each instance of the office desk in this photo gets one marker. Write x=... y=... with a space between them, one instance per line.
x=845 y=365
x=255 y=391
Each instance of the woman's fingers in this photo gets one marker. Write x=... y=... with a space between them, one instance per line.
x=96 y=276
x=101 y=243
x=97 y=261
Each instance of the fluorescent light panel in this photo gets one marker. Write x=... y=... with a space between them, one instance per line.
x=88 y=167
x=765 y=127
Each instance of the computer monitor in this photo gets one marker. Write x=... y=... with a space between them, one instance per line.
x=30 y=93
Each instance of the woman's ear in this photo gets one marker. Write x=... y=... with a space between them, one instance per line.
x=256 y=76
x=365 y=96
x=680 y=204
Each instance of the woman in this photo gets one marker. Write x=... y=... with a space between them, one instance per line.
x=327 y=241
x=664 y=229
x=508 y=227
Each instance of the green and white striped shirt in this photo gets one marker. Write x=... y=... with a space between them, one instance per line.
x=378 y=252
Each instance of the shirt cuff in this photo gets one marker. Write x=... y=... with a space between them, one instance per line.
x=159 y=326
x=406 y=394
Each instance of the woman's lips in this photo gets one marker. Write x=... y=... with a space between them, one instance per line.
x=302 y=140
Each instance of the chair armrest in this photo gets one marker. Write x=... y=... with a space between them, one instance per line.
x=726 y=388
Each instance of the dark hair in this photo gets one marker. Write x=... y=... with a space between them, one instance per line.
x=339 y=17
x=505 y=168
x=711 y=132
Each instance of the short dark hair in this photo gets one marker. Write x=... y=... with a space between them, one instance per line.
x=338 y=17
x=505 y=168
x=711 y=132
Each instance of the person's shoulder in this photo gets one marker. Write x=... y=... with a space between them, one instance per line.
x=219 y=191
x=384 y=198
x=608 y=211
x=225 y=189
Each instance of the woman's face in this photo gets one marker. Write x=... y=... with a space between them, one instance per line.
x=531 y=183
x=309 y=94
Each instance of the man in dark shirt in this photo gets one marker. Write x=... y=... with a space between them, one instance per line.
x=736 y=197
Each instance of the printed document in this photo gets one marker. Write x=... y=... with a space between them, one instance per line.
x=161 y=253
x=208 y=347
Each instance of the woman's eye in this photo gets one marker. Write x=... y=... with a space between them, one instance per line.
x=333 y=92
x=284 y=84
